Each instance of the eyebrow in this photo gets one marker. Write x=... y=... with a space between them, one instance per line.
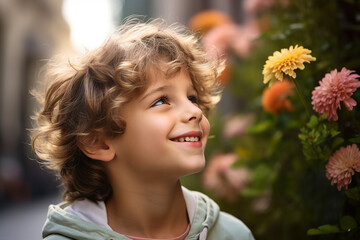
x=156 y=90
x=160 y=89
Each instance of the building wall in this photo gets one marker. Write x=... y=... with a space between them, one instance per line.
x=31 y=30
x=179 y=11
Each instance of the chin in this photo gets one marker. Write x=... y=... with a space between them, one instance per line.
x=196 y=167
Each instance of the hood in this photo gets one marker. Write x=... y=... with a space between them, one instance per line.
x=203 y=213
x=61 y=223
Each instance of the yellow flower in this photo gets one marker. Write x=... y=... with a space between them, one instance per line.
x=286 y=62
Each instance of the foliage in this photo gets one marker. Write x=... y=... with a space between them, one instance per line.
x=320 y=138
x=289 y=196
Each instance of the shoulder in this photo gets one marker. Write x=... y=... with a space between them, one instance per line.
x=63 y=225
x=229 y=227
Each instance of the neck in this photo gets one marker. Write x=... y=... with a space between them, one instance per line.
x=152 y=210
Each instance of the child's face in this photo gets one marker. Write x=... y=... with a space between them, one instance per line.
x=166 y=132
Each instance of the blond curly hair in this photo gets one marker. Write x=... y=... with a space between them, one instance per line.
x=83 y=96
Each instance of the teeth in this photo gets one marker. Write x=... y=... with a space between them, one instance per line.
x=187 y=139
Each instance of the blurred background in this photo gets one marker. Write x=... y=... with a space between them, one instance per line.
x=258 y=168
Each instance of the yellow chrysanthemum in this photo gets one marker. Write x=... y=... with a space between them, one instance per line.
x=286 y=62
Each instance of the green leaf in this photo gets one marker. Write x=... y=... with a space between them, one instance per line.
x=353 y=193
x=355 y=140
x=260 y=127
x=313 y=122
x=302 y=136
x=347 y=223
x=329 y=228
x=314 y=231
x=334 y=133
x=324 y=229
x=337 y=142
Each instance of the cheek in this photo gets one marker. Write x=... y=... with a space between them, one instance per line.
x=205 y=126
x=152 y=130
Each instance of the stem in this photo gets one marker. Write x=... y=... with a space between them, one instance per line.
x=301 y=95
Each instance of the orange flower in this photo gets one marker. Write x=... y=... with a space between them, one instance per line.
x=206 y=20
x=275 y=99
x=225 y=75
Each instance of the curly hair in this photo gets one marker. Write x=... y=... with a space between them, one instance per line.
x=83 y=96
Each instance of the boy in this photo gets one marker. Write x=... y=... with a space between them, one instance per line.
x=121 y=126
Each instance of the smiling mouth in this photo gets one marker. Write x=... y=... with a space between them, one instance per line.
x=186 y=139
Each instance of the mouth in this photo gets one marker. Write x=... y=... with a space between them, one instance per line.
x=191 y=137
x=186 y=139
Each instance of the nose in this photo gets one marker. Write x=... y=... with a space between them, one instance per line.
x=191 y=112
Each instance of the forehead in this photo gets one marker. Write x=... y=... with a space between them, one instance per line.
x=159 y=73
x=160 y=84
x=163 y=77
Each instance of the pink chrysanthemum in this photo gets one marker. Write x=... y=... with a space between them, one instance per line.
x=334 y=88
x=342 y=166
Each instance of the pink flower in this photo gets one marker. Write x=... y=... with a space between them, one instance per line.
x=223 y=179
x=236 y=126
x=342 y=166
x=218 y=40
x=262 y=204
x=244 y=41
x=334 y=88
x=254 y=7
x=221 y=39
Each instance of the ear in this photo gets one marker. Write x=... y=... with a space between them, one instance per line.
x=97 y=150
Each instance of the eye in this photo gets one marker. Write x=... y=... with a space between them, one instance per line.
x=160 y=101
x=193 y=99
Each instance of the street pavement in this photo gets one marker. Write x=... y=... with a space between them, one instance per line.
x=24 y=221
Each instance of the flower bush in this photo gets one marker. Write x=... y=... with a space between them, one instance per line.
x=293 y=172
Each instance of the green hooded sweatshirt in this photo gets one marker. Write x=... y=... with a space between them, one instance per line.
x=66 y=221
